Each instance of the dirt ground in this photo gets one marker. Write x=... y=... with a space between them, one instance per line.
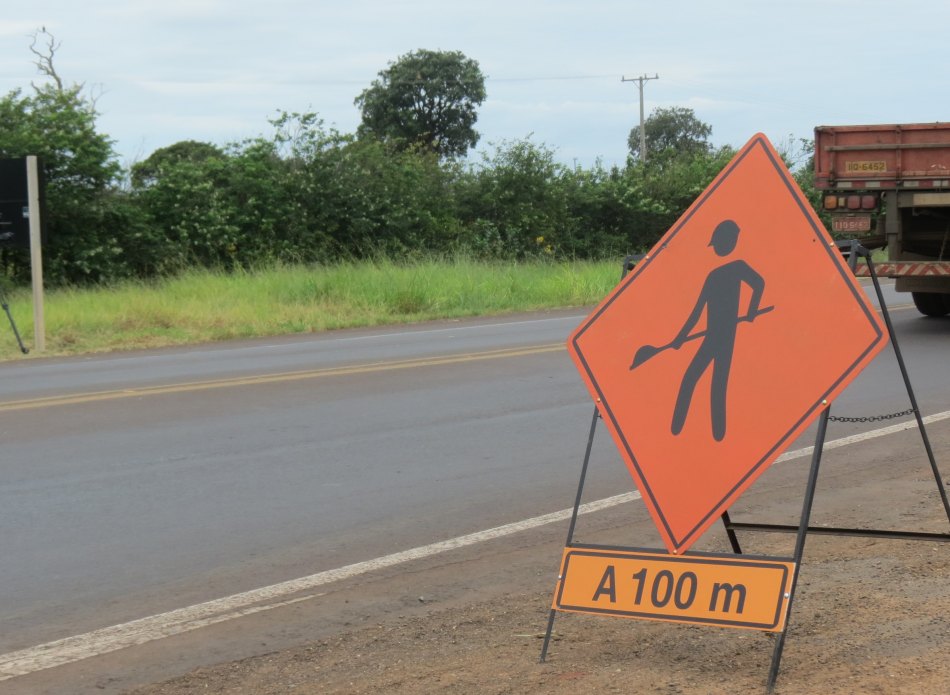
x=885 y=631
x=869 y=616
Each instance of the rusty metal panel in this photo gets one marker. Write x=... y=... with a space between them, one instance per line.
x=882 y=155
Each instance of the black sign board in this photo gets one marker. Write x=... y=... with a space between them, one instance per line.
x=14 y=223
x=14 y=203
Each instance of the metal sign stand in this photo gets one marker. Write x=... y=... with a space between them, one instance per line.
x=6 y=307
x=628 y=264
x=803 y=528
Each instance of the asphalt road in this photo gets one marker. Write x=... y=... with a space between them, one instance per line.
x=137 y=484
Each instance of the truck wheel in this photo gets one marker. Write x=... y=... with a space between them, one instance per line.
x=932 y=303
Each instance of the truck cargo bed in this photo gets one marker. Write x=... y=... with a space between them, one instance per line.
x=912 y=156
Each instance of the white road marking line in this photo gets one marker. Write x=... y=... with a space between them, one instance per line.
x=176 y=622
x=863 y=436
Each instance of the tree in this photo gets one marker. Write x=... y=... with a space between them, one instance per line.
x=671 y=131
x=662 y=189
x=514 y=202
x=86 y=214
x=147 y=172
x=44 y=57
x=800 y=158
x=425 y=99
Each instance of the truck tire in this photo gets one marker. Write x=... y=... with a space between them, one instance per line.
x=932 y=303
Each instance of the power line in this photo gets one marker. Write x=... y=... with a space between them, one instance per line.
x=488 y=78
x=554 y=78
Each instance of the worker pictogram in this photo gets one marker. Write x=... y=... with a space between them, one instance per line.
x=719 y=298
x=724 y=343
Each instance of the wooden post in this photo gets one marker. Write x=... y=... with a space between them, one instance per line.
x=36 y=253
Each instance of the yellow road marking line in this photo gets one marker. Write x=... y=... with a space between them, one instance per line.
x=73 y=399
x=185 y=387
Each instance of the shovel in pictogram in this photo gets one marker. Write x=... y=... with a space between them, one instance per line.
x=648 y=352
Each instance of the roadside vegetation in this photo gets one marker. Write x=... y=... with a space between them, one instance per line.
x=203 y=306
x=306 y=228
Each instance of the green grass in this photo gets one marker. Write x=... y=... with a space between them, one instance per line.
x=206 y=306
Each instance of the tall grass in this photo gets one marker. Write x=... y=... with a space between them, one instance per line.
x=206 y=306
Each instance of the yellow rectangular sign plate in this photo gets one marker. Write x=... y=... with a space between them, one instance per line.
x=709 y=589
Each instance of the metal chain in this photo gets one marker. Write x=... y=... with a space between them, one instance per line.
x=872 y=418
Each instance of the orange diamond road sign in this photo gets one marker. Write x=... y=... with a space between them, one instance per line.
x=724 y=343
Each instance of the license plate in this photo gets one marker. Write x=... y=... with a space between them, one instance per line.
x=873 y=167
x=854 y=223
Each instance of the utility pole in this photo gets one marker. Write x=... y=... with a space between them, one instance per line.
x=640 y=82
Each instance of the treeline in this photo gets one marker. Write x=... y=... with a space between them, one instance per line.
x=307 y=193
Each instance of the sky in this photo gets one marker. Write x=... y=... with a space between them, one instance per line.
x=163 y=71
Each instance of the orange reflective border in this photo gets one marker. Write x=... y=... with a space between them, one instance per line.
x=724 y=590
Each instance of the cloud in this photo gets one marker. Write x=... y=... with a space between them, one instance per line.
x=202 y=88
x=167 y=9
x=202 y=124
x=19 y=28
x=554 y=108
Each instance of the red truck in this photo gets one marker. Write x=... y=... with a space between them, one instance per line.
x=889 y=185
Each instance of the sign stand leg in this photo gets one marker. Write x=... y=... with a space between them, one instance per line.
x=800 y=540
x=730 y=532
x=547 y=636
x=570 y=530
x=628 y=264
x=16 y=333
x=910 y=391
